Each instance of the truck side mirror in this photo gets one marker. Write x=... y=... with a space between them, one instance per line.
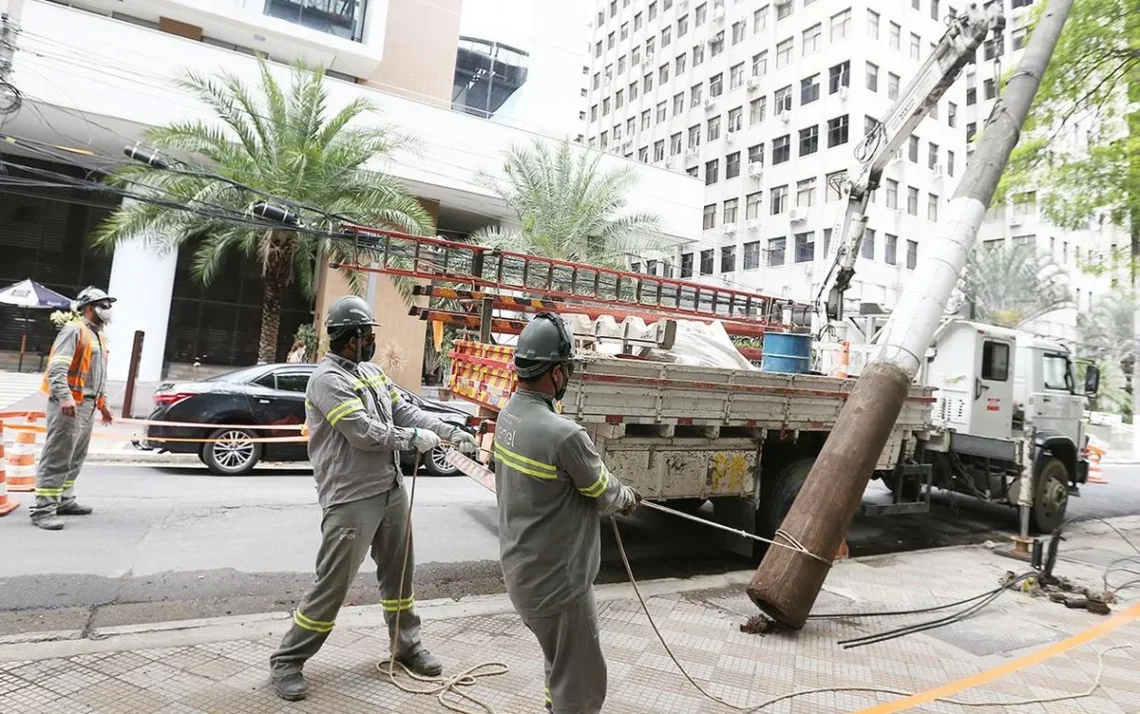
x=1092 y=380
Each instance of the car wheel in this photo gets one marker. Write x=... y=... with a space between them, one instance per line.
x=233 y=452
x=436 y=463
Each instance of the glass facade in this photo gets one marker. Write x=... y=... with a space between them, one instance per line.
x=343 y=18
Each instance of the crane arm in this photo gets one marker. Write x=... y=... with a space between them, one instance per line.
x=958 y=45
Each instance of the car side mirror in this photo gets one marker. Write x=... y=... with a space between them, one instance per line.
x=1092 y=380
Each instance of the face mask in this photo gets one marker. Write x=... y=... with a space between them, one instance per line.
x=567 y=373
x=366 y=348
x=104 y=315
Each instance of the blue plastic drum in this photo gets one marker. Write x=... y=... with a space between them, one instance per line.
x=787 y=352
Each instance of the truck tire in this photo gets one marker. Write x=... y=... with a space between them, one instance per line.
x=777 y=496
x=1050 y=496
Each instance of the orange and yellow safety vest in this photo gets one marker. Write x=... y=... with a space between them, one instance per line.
x=80 y=365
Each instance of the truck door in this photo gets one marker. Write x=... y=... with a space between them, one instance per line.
x=1055 y=404
x=993 y=389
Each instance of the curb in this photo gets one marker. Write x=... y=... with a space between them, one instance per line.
x=185 y=633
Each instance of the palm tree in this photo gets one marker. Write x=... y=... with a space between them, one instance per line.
x=1107 y=336
x=1011 y=286
x=284 y=145
x=567 y=207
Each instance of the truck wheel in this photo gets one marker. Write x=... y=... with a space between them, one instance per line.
x=1050 y=496
x=777 y=497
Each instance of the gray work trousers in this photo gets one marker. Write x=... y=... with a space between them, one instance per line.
x=65 y=450
x=575 y=667
x=348 y=532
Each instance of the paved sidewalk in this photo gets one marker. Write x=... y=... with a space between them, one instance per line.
x=221 y=665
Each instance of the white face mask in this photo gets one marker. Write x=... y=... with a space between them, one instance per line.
x=104 y=315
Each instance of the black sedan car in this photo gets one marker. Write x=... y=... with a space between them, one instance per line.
x=264 y=395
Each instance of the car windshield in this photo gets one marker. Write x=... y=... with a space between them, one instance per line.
x=241 y=375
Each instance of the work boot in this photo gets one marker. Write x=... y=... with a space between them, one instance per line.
x=291 y=687
x=73 y=508
x=50 y=522
x=423 y=663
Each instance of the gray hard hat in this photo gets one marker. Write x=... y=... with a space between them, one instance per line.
x=91 y=294
x=543 y=343
x=349 y=312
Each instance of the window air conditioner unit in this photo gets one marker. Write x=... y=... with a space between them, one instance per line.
x=1015 y=220
x=843 y=91
x=627 y=144
x=753 y=84
x=730 y=136
x=756 y=170
x=710 y=104
x=785 y=117
x=797 y=215
x=939 y=170
x=692 y=153
x=729 y=229
x=752 y=224
x=718 y=13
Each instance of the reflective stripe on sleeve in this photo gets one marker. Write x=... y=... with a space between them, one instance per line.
x=311 y=625
x=528 y=466
x=342 y=410
x=598 y=487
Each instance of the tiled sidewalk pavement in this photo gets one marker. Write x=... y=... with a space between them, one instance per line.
x=223 y=667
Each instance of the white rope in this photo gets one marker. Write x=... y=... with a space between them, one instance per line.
x=821 y=690
x=439 y=686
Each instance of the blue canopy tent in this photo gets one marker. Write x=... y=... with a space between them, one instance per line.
x=30 y=295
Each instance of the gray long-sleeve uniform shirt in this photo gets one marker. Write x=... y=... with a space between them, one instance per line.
x=63 y=352
x=358 y=422
x=551 y=486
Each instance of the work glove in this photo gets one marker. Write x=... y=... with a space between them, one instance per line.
x=631 y=499
x=463 y=442
x=424 y=440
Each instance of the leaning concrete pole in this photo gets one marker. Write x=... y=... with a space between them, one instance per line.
x=787 y=582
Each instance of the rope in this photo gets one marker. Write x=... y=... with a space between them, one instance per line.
x=822 y=690
x=439 y=686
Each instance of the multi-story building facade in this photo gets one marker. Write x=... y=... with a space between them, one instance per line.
x=94 y=75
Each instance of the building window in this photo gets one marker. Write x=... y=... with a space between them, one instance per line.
x=652 y=11
x=756 y=110
x=1025 y=204
x=760 y=19
x=872 y=77
x=714 y=128
x=841 y=25
x=611 y=40
x=1020 y=3
x=678 y=103
x=342 y=19
x=716 y=45
x=805 y=193
x=760 y=64
x=812 y=38
x=694 y=171
x=971 y=130
x=698 y=54
x=915 y=47
x=661 y=106
x=838 y=76
x=809 y=89
x=809 y=140
x=896 y=36
x=751 y=210
x=712 y=172
x=892 y=193
x=732 y=170
x=932 y=208
x=663 y=74
x=637 y=21
x=707 y=261
x=605 y=106
x=630 y=126
x=675 y=144
x=912 y=200
x=952 y=114
x=708 y=221
x=597 y=79
x=731 y=205
x=682 y=26
x=752 y=255
x=826 y=242
x=867 y=250
x=619 y=99
x=950 y=163
x=666 y=36
x=784 y=53
x=695 y=95
x=781 y=149
x=679 y=64
x=872 y=25
x=694 y=136
x=727 y=258
x=736 y=119
x=604 y=139
x=891 y=249
x=633 y=91
x=625 y=30
x=686 y=265
x=990 y=88
x=779 y=200
x=736 y=76
x=971 y=96
x=598 y=49
x=837 y=131
x=784 y=9
x=833 y=186
x=912 y=149
x=993 y=48
x=805 y=247
x=645 y=119
x=783 y=100
x=756 y=154
x=594 y=113
x=643 y=154
x=716 y=85
x=911 y=254
x=647 y=83
x=738 y=32
x=870 y=124
x=700 y=15
x=1019 y=37
x=932 y=156
x=635 y=267
x=777 y=247
x=934 y=10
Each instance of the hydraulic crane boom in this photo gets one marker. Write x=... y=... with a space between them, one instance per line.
x=965 y=34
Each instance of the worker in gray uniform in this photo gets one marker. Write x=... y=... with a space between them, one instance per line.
x=358 y=423
x=75 y=381
x=552 y=488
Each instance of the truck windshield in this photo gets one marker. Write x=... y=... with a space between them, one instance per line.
x=1055 y=371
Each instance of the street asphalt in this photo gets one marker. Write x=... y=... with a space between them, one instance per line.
x=175 y=543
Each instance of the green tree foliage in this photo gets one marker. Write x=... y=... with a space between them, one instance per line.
x=284 y=142
x=1011 y=286
x=567 y=207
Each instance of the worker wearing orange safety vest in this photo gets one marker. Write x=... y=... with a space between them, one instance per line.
x=75 y=380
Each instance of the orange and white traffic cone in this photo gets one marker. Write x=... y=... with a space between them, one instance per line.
x=7 y=503
x=1096 y=453
x=21 y=459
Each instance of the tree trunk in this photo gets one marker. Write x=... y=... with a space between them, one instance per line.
x=277 y=274
x=1134 y=233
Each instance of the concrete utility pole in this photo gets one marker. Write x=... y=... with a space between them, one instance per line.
x=786 y=584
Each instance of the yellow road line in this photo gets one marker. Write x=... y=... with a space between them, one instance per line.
x=1081 y=638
